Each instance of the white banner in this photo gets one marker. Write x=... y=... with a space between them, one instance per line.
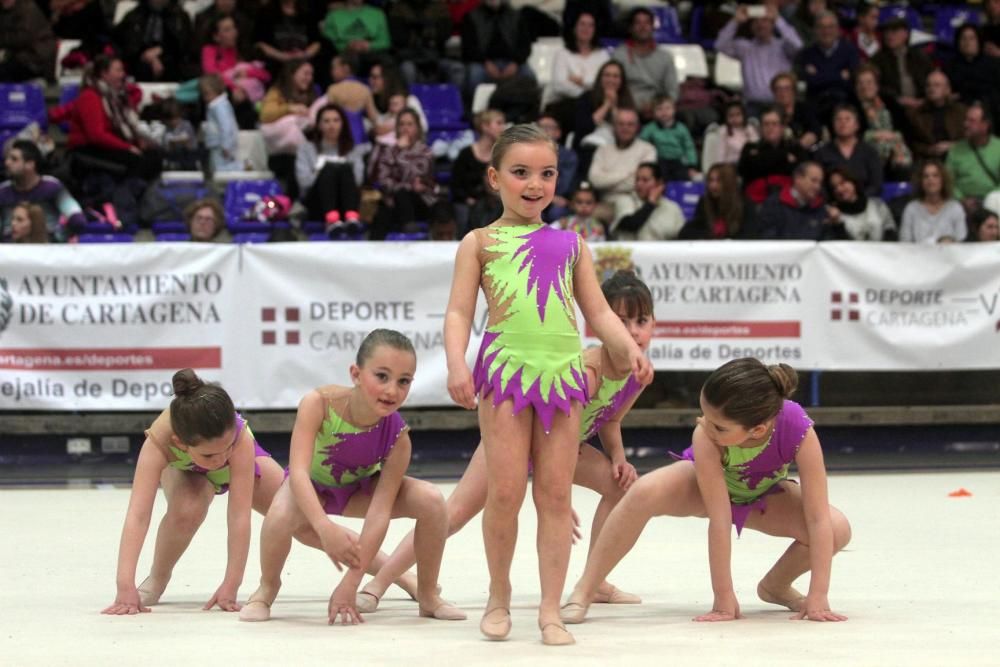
x=104 y=327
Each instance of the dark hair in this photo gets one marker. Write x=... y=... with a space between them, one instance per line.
x=287 y=88
x=976 y=220
x=379 y=337
x=625 y=99
x=846 y=174
x=637 y=11
x=200 y=410
x=210 y=203
x=962 y=29
x=410 y=111
x=392 y=84
x=748 y=392
x=584 y=186
x=350 y=61
x=653 y=167
x=987 y=116
x=345 y=142
x=98 y=66
x=729 y=205
x=171 y=108
x=29 y=152
x=947 y=185
x=626 y=288
x=569 y=33
x=802 y=167
x=525 y=133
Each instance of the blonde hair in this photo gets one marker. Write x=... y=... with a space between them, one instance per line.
x=487 y=116
x=39 y=232
x=525 y=133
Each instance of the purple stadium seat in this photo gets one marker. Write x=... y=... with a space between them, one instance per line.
x=666 y=25
x=892 y=189
x=105 y=238
x=168 y=237
x=357 y=123
x=169 y=227
x=22 y=104
x=908 y=14
x=949 y=18
x=686 y=195
x=442 y=103
x=242 y=196
x=251 y=237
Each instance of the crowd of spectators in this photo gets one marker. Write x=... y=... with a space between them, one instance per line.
x=839 y=100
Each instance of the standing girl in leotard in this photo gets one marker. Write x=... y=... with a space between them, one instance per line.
x=613 y=393
x=529 y=376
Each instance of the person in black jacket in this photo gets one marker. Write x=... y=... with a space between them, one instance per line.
x=492 y=47
x=722 y=212
x=156 y=40
x=798 y=211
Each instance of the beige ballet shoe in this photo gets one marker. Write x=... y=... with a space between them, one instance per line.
x=255 y=611
x=146 y=596
x=573 y=612
x=616 y=596
x=496 y=630
x=444 y=612
x=366 y=602
x=556 y=634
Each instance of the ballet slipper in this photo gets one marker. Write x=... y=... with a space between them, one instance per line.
x=444 y=612
x=255 y=611
x=496 y=630
x=556 y=634
x=146 y=596
x=616 y=596
x=573 y=612
x=366 y=602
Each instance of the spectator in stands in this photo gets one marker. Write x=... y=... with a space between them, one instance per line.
x=650 y=71
x=984 y=226
x=933 y=216
x=284 y=32
x=568 y=163
x=220 y=130
x=486 y=210
x=79 y=19
x=27 y=224
x=443 y=227
x=612 y=171
x=580 y=215
x=864 y=217
x=419 y=31
x=358 y=29
x=284 y=112
x=865 y=35
x=803 y=15
x=936 y=123
x=799 y=117
x=798 y=211
x=644 y=214
x=206 y=25
x=973 y=74
x=674 y=146
x=576 y=64
x=206 y=221
x=767 y=54
x=27 y=43
x=103 y=126
x=766 y=166
x=828 y=65
x=26 y=184
x=330 y=169
x=468 y=171
x=883 y=119
x=384 y=82
x=179 y=141
x=724 y=143
x=347 y=91
x=156 y=41
x=404 y=174
x=991 y=28
x=848 y=150
x=222 y=56
x=492 y=48
x=974 y=162
x=594 y=109
x=903 y=69
x=722 y=212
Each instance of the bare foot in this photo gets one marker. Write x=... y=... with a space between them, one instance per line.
x=151 y=589
x=789 y=598
x=408 y=582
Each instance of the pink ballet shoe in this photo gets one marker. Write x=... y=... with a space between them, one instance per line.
x=573 y=612
x=496 y=630
x=444 y=612
x=616 y=596
x=255 y=611
x=556 y=634
x=366 y=602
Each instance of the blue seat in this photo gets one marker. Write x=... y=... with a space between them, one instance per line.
x=685 y=194
x=169 y=227
x=251 y=237
x=406 y=236
x=908 y=14
x=893 y=189
x=357 y=123
x=442 y=104
x=242 y=196
x=949 y=18
x=22 y=104
x=666 y=25
x=313 y=227
x=105 y=238
x=168 y=237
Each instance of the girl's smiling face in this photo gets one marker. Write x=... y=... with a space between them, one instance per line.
x=526 y=179
x=385 y=378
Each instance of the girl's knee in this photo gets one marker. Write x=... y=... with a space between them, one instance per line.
x=841 y=530
x=459 y=515
x=187 y=517
x=506 y=494
x=551 y=496
x=428 y=500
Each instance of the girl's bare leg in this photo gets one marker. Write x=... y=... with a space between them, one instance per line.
x=554 y=456
x=465 y=502
x=506 y=443
x=593 y=471
x=188 y=497
x=671 y=491
x=272 y=476
x=785 y=517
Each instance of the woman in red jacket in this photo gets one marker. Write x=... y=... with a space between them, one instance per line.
x=103 y=125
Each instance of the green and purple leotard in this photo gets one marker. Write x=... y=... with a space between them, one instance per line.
x=531 y=350
x=605 y=404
